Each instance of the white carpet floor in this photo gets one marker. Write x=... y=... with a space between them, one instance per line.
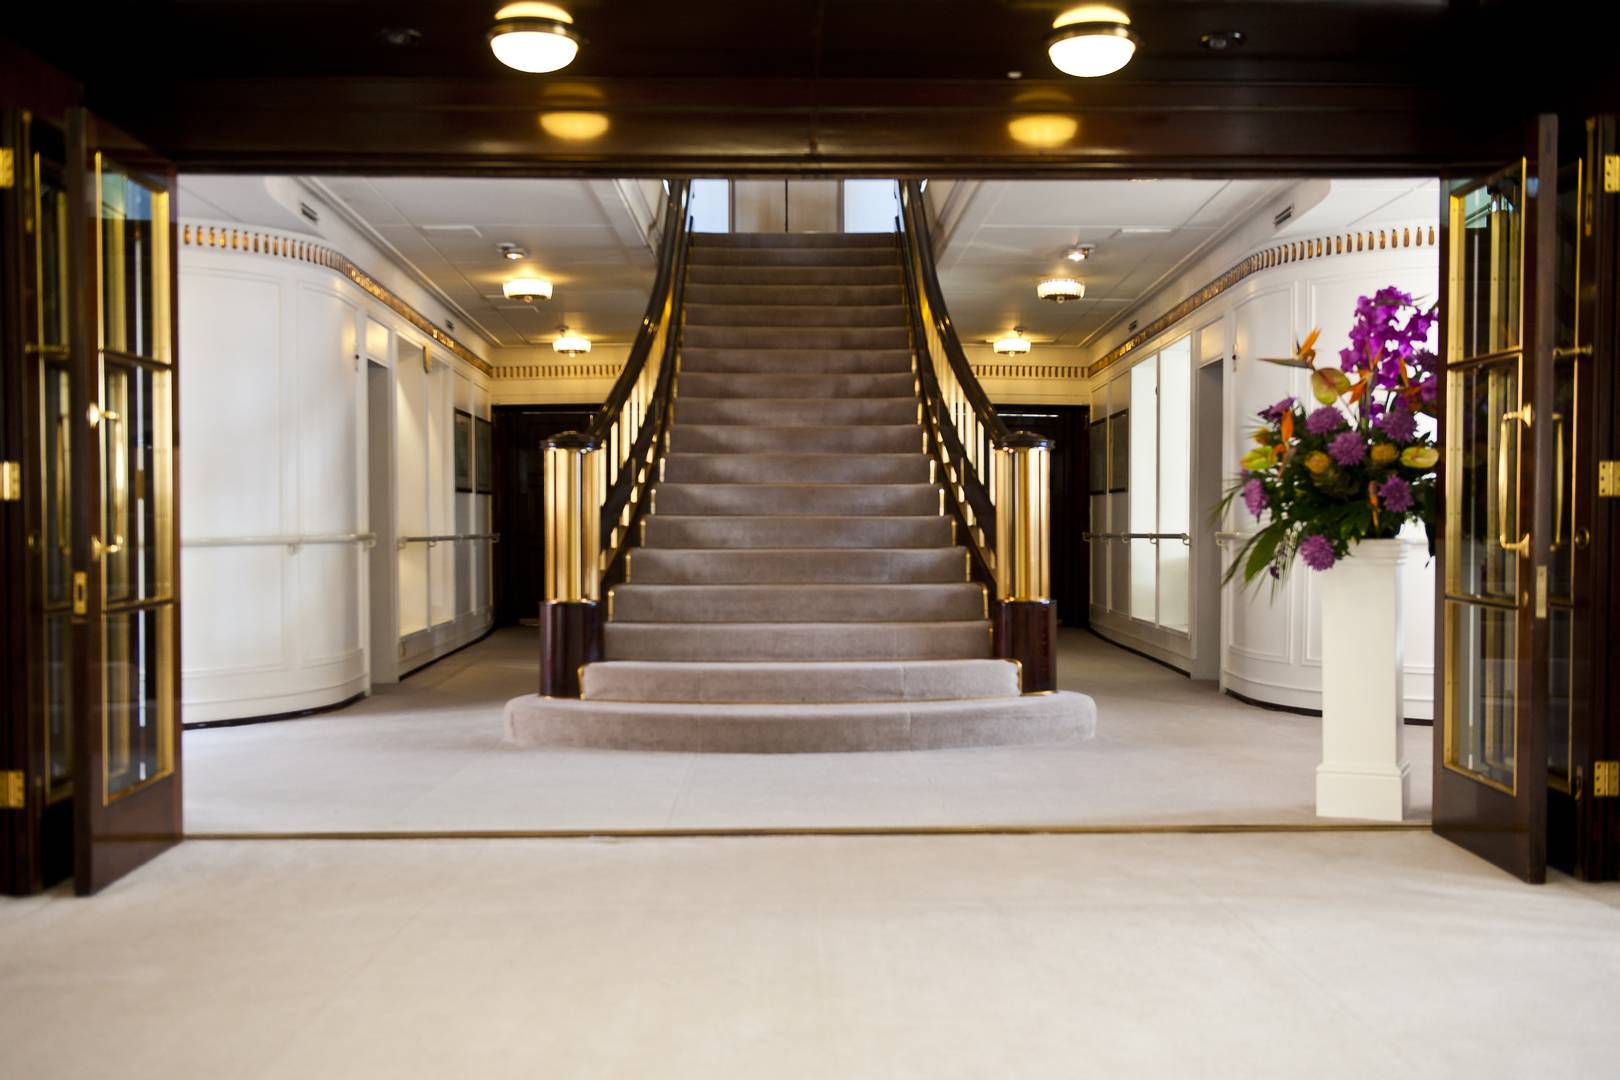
x=429 y=755
x=1355 y=956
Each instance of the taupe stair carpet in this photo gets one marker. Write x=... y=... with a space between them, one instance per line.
x=797 y=585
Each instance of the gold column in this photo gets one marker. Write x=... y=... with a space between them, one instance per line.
x=1023 y=544
x=572 y=519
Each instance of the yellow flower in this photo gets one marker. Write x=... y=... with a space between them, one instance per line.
x=1420 y=457
x=1318 y=462
x=1384 y=453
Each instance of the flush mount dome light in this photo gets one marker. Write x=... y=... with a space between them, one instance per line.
x=1079 y=253
x=511 y=252
x=527 y=289
x=534 y=37
x=1091 y=40
x=1014 y=344
x=570 y=344
x=1060 y=289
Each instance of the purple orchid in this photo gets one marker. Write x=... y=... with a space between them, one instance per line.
x=1317 y=552
x=1275 y=413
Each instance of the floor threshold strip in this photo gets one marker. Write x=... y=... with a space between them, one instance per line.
x=1191 y=828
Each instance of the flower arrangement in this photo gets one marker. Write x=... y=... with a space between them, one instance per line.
x=1360 y=465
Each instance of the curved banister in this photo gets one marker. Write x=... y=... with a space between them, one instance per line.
x=597 y=480
x=996 y=479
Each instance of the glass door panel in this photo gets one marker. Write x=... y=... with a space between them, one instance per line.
x=1498 y=300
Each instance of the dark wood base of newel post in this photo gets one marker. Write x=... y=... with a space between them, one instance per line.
x=570 y=637
x=1026 y=631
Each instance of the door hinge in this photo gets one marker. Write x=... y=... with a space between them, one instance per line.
x=13 y=791
x=1609 y=479
x=8 y=167
x=1606 y=779
x=1611 y=173
x=10 y=481
x=81 y=592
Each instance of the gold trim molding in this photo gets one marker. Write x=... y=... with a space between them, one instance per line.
x=1037 y=372
x=252 y=242
x=603 y=370
x=1350 y=243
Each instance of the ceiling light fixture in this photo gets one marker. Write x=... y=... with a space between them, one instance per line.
x=1092 y=40
x=534 y=37
x=1079 y=253
x=1014 y=344
x=511 y=251
x=527 y=289
x=1222 y=40
x=1060 y=289
x=570 y=344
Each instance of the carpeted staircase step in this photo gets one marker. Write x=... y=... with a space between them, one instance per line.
x=793 y=361
x=794 y=500
x=796 y=337
x=795 y=412
x=801 y=683
x=806 y=439
x=786 y=566
x=796 y=240
x=744 y=531
x=776 y=728
x=737 y=316
x=796 y=469
x=841 y=256
x=961 y=640
x=750 y=293
x=777 y=604
x=736 y=384
x=889 y=274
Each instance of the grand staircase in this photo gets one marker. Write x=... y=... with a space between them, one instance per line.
x=797 y=585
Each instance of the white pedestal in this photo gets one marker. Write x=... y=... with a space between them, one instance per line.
x=1364 y=773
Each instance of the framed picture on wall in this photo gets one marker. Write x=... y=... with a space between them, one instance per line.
x=1119 y=451
x=464 y=451
x=483 y=446
x=1097 y=458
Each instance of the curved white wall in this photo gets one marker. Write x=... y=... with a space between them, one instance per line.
x=1271 y=643
x=274 y=437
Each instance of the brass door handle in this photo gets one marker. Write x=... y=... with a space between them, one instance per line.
x=64 y=520
x=1558 y=482
x=120 y=479
x=1521 y=546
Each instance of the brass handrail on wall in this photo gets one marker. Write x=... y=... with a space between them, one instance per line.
x=597 y=480
x=291 y=541
x=447 y=538
x=998 y=480
x=1185 y=538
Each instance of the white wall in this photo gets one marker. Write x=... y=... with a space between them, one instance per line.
x=274 y=445
x=1272 y=643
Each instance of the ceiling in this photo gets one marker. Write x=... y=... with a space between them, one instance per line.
x=1012 y=233
x=924 y=87
x=581 y=234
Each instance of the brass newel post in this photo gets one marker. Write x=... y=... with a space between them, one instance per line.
x=570 y=619
x=1025 y=619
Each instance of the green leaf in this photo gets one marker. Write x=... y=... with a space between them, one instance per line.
x=1257 y=459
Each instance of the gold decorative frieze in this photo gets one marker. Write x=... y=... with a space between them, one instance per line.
x=1293 y=251
x=1029 y=371
x=603 y=370
x=252 y=242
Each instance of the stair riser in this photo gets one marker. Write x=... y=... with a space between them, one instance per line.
x=778 y=240
x=791 y=500
x=835 y=257
x=793 y=337
x=668 y=531
x=696 y=384
x=796 y=469
x=794 y=361
x=791 y=412
x=828 y=315
x=799 y=641
x=799 y=683
x=793 y=604
x=794 y=275
x=798 y=566
x=795 y=294
x=741 y=439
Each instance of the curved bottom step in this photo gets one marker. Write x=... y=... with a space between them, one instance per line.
x=799 y=729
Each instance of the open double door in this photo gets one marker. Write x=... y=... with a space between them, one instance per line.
x=1527 y=737
x=89 y=724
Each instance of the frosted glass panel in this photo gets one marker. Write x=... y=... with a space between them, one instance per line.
x=1175 y=480
x=1144 y=486
x=710 y=206
x=871 y=205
